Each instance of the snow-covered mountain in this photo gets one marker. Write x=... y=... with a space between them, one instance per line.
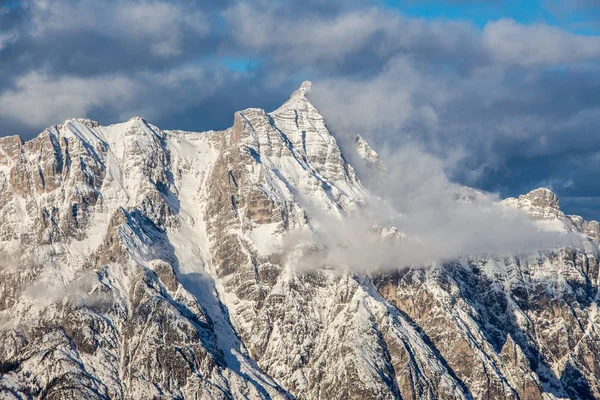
x=138 y=263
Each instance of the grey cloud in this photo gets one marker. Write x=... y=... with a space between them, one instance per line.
x=562 y=7
x=160 y=24
x=94 y=38
x=6 y=38
x=519 y=44
x=500 y=129
x=375 y=35
x=121 y=96
x=60 y=97
x=357 y=41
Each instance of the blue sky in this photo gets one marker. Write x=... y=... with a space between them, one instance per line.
x=477 y=12
x=577 y=17
x=504 y=94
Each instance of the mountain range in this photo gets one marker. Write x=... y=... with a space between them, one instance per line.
x=140 y=263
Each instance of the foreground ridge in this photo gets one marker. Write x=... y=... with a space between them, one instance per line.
x=142 y=263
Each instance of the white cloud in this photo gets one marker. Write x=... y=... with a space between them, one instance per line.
x=384 y=33
x=39 y=100
x=388 y=101
x=304 y=38
x=416 y=197
x=514 y=43
x=317 y=38
x=164 y=23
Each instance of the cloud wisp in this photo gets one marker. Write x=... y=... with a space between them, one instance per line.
x=416 y=216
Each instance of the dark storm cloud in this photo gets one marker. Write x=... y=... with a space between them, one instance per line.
x=506 y=108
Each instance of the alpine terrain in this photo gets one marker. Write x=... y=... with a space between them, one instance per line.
x=137 y=263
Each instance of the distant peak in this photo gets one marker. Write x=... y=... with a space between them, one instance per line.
x=369 y=155
x=541 y=192
x=543 y=197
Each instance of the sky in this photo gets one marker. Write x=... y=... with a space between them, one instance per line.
x=505 y=95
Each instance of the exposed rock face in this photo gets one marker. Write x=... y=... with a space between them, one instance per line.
x=140 y=263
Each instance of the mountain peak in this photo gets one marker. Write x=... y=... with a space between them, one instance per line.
x=298 y=99
x=303 y=90
x=543 y=197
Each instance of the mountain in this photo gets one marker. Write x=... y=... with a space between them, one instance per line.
x=138 y=263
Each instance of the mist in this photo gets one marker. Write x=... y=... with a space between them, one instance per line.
x=415 y=214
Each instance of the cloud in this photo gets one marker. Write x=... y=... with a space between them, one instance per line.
x=385 y=103
x=494 y=127
x=38 y=100
x=367 y=38
x=567 y=9
x=161 y=25
x=308 y=40
x=518 y=44
x=353 y=41
x=416 y=216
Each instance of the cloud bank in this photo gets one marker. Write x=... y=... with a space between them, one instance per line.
x=417 y=216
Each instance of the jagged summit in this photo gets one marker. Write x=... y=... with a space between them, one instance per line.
x=95 y=124
x=303 y=90
x=298 y=100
